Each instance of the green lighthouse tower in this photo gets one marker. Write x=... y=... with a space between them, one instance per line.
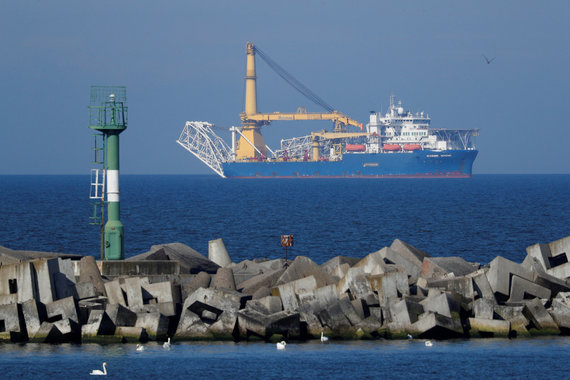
x=108 y=115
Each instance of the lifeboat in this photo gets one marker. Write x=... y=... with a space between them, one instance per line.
x=412 y=147
x=355 y=148
x=392 y=147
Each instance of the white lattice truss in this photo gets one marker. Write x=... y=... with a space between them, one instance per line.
x=199 y=139
x=295 y=147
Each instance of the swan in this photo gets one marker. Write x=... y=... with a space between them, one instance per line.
x=410 y=337
x=323 y=337
x=281 y=345
x=429 y=343
x=140 y=347
x=99 y=372
x=166 y=344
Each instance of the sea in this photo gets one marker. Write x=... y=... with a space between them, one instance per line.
x=477 y=219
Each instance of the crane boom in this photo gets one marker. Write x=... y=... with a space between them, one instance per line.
x=335 y=116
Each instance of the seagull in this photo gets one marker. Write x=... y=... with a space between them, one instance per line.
x=281 y=345
x=166 y=344
x=99 y=372
x=140 y=347
x=487 y=59
x=429 y=343
x=323 y=337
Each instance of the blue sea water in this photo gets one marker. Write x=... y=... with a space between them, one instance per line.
x=477 y=219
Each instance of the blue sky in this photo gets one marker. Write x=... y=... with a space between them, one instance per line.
x=186 y=61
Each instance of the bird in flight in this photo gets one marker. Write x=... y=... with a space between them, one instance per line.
x=488 y=60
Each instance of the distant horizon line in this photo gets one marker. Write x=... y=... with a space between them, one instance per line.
x=215 y=175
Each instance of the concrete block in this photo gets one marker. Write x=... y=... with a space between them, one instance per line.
x=266 y=305
x=47 y=333
x=45 y=270
x=247 y=269
x=115 y=293
x=163 y=292
x=403 y=313
x=89 y=272
x=436 y=326
x=535 y=312
x=70 y=331
x=390 y=285
x=304 y=267
x=334 y=318
x=224 y=279
x=18 y=280
x=34 y=314
x=483 y=308
x=192 y=327
x=481 y=285
x=372 y=264
x=339 y=265
x=131 y=334
x=155 y=324
x=562 y=319
x=409 y=252
x=356 y=282
x=412 y=269
x=542 y=278
x=264 y=280
x=488 y=328
x=288 y=292
x=459 y=285
x=523 y=289
x=260 y=293
x=553 y=257
x=211 y=300
x=85 y=290
x=264 y=326
x=499 y=275
x=190 y=260
x=225 y=328
x=218 y=253
x=201 y=280
x=134 y=290
x=98 y=323
x=12 y=326
x=62 y=309
x=438 y=267
x=120 y=315
x=513 y=314
x=443 y=304
x=64 y=279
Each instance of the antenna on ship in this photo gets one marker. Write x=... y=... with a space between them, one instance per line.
x=108 y=117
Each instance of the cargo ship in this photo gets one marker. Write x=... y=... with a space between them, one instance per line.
x=396 y=144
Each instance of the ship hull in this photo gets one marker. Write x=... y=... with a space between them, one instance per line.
x=417 y=164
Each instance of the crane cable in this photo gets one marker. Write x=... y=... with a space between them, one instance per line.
x=293 y=81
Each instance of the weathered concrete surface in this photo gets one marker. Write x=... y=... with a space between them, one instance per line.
x=304 y=267
x=339 y=265
x=224 y=279
x=435 y=267
x=190 y=260
x=409 y=252
x=264 y=280
x=432 y=325
x=390 y=285
x=11 y=323
x=459 y=285
x=489 y=328
x=115 y=293
x=523 y=289
x=120 y=315
x=513 y=314
x=217 y=252
x=99 y=323
x=62 y=309
x=129 y=334
x=499 y=275
x=542 y=322
x=201 y=280
x=155 y=325
x=264 y=326
x=89 y=273
x=553 y=257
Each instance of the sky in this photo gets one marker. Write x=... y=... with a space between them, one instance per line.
x=185 y=60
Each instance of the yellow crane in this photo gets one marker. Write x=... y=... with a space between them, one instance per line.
x=251 y=144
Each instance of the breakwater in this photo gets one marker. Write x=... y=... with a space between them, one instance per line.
x=174 y=291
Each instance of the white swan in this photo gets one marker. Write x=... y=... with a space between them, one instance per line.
x=140 y=347
x=281 y=345
x=323 y=337
x=99 y=372
x=429 y=343
x=410 y=337
x=167 y=344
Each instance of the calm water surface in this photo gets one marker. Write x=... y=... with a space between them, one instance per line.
x=545 y=358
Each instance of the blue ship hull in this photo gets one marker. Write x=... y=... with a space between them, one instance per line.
x=417 y=164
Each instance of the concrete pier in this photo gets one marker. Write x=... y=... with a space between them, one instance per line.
x=174 y=291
